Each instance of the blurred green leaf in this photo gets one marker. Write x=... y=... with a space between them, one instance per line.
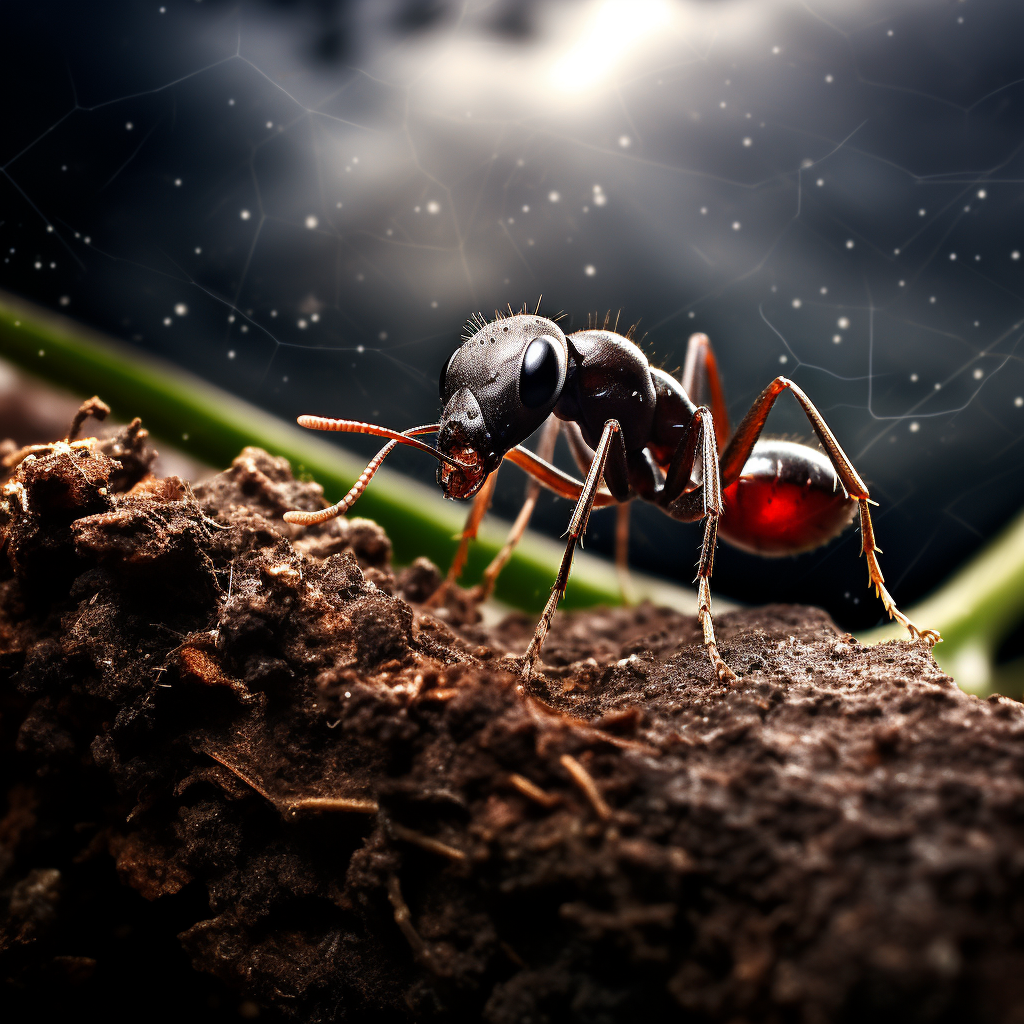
x=213 y=426
x=975 y=610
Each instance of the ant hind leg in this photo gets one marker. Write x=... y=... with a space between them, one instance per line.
x=702 y=384
x=742 y=444
x=875 y=578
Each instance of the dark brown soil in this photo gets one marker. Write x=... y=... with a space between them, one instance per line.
x=233 y=743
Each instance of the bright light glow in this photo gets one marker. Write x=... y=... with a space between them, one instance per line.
x=582 y=49
x=612 y=30
x=973 y=669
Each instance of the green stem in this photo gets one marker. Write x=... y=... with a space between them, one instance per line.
x=214 y=426
x=974 y=610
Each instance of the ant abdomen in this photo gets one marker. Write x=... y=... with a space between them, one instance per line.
x=787 y=500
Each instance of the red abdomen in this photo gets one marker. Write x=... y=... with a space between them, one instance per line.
x=787 y=500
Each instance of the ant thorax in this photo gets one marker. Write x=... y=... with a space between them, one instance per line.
x=609 y=378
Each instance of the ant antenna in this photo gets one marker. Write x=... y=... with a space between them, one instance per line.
x=339 y=509
x=359 y=427
x=323 y=514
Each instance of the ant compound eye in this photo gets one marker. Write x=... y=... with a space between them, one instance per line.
x=444 y=374
x=539 y=378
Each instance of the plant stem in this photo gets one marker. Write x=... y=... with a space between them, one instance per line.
x=974 y=610
x=213 y=426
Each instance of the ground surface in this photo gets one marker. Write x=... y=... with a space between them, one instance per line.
x=234 y=745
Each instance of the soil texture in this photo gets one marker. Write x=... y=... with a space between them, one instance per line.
x=249 y=771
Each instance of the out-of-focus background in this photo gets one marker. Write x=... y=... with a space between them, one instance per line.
x=302 y=202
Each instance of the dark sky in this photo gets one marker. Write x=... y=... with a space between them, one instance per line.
x=304 y=201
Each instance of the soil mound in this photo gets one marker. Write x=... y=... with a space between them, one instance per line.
x=245 y=769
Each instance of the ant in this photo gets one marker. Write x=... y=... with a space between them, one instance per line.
x=635 y=432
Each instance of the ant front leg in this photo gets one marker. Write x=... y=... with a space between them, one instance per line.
x=477 y=511
x=738 y=451
x=545 y=450
x=481 y=503
x=577 y=526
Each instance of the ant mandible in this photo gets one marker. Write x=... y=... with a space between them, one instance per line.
x=635 y=432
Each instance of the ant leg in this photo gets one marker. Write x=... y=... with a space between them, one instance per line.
x=704 y=617
x=680 y=469
x=869 y=549
x=577 y=525
x=701 y=382
x=622 y=553
x=706 y=499
x=562 y=484
x=703 y=502
x=545 y=450
x=583 y=454
x=742 y=444
x=481 y=503
x=740 y=447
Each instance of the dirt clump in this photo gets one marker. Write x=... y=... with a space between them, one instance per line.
x=248 y=771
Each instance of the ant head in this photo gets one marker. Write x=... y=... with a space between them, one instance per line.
x=496 y=390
